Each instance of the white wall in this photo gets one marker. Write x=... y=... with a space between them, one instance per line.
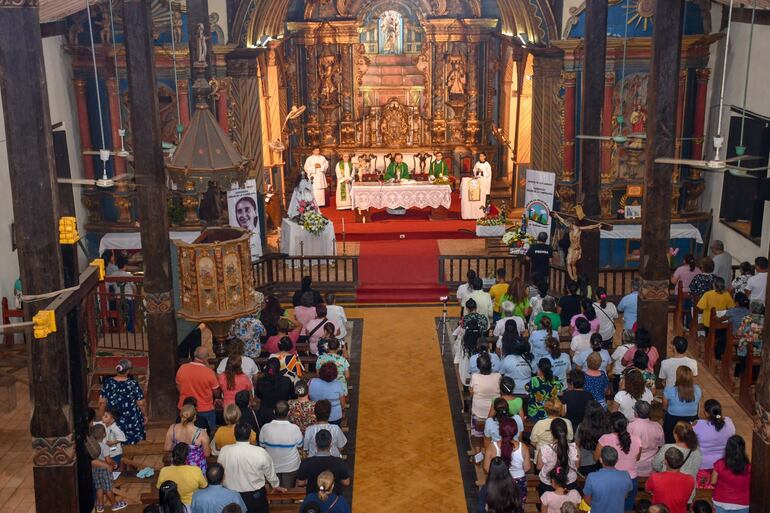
x=61 y=97
x=739 y=246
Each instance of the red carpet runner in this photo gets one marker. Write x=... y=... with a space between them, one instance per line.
x=401 y=271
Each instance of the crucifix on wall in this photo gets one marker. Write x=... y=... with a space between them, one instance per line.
x=577 y=224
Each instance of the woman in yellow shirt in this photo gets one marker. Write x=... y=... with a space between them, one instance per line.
x=188 y=478
x=496 y=292
x=225 y=435
x=717 y=299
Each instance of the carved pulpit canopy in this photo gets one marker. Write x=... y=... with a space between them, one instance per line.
x=394 y=123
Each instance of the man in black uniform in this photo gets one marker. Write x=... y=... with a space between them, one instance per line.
x=539 y=255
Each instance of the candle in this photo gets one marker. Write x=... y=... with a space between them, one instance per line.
x=343 y=225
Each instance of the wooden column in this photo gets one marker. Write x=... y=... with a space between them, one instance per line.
x=32 y=176
x=760 y=444
x=113 y=95
x=662 y=95
x=609 y=87
x=568 y=173
x=595 y=43
x=701 y=92
x=84 y=127
x=153 y=215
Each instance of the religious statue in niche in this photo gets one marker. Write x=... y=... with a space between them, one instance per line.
x=327 y=70
x=201 y=49
x=216 y=29
x=456 y=79
x=391 y=33
x=176 y=26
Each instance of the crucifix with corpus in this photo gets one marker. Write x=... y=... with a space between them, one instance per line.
x=577 y=224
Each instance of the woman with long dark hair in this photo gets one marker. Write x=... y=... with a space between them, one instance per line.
x=595 y=424
x=483 y=388
x=538 y=339
x=271 y=388
x=516 y=360
x=731 y=478
x=643 y=343
x=633 y=390
x=607 y=313
x=505 y=406
x=561 y=453
x=233 y=380
x=713 y=430
x=542 y=387
x=561 y=363
x=588 y=313
x=499 y=494
x=169 y=499
x=514 y=453
x=629 y=449
x=686 y=442
x=680 y=401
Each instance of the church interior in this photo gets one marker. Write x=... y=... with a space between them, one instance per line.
x=553 y=205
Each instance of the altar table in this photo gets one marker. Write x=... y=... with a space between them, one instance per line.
x=296 y=241
x=366 y=195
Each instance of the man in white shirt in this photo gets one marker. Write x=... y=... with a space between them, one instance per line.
x=757 y=284
x=336 y=314
x=507 y=308
x=316 y=166
x=669 y=366
x=723 y=261
x=464 y=290
x=484 y=303
x=248 y=470
x=282 y=440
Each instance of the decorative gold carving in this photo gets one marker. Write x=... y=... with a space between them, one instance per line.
x=190 y=202
x=53 y=451
x=693 y=193
x=675 y=195
x=394 y=123
x=605 y=199
x=567 y=197
x=123 y=202
x=456 y=79
x=654 y=290
x=328 y=69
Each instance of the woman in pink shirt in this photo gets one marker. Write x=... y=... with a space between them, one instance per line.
x=588 y=313
x=651 y=435
x=685 y=273
x=731 y=478
x=629 y=449
x=233 y=380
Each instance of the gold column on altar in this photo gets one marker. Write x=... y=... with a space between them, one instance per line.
x=270 y=97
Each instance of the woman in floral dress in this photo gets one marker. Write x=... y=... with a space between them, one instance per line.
x=302 y=409
x=249 y=330
x=542 y=387
x=123 y=393
x=750 y=335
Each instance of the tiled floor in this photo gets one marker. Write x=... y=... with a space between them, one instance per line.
x=406 y=456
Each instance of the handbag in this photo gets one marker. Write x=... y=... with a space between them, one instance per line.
x=304 y=339
x=607 y=316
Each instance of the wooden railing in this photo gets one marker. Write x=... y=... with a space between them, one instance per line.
x=281 y=274
x=452 y=271
x=724 y=369
x=118 y=318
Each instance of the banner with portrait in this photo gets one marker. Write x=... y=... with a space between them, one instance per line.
x=243 y=213
x=538 y=201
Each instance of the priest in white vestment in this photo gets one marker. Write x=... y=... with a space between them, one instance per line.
x=474 y=190
x=316 y=166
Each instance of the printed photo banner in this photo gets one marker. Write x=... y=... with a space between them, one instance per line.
x=538 y=201
x=243 y=213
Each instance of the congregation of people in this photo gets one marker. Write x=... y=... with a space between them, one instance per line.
x=269 y=418
x=555 y=390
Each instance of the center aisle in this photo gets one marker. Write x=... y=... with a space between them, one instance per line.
x=406 y=453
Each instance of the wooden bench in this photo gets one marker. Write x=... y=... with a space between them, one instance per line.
x=7 y=393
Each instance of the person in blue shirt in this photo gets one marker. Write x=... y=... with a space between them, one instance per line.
x=628 y=306
x=325 y=497
x=215 y=497
x=483 y=348
x=606 y=489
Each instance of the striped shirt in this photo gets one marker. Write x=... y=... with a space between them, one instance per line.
x=282 y=440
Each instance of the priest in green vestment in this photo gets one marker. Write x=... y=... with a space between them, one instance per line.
x=438 y=167
x=397 y=169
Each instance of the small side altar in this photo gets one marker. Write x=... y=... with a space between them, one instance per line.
x=297 y=241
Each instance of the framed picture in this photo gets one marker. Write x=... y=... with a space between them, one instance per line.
x=633 y=211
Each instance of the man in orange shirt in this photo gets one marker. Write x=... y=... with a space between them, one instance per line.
x=196 y=379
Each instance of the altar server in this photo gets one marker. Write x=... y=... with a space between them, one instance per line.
x=438 y=167
x=344 y=172
x=483 y=172
x=316 y=166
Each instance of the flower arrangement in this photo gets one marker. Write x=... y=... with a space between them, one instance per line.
x=305 y=207
x=442 y=180
x=313 y=222
x=518 y=239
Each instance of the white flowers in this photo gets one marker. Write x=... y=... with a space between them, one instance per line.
x=313 y=222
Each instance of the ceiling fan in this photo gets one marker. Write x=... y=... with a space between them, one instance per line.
x=105 y=181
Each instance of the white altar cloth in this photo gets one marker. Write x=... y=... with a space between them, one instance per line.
x=366 y=195
x=634 y=231
x=132 y=240
x=296 y=241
